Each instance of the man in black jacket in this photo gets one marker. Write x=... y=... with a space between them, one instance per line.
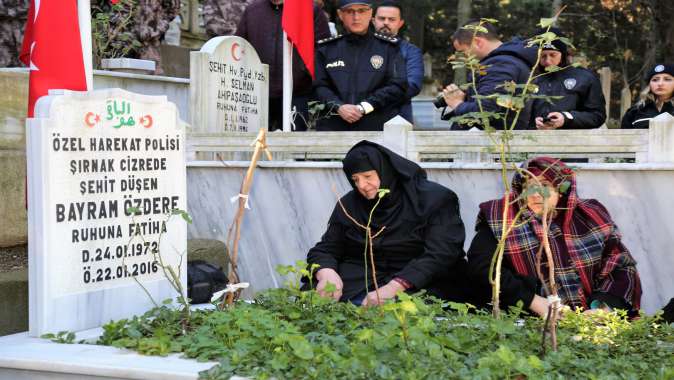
x=582 y=104
x=361 y=75
x=505 y=62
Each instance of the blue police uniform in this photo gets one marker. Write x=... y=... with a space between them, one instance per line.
x=352 y=69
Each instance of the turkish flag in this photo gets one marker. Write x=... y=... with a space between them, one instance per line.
x=52 y=49
x=298 y=23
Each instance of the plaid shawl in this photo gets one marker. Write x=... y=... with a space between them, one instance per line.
x=588 y=254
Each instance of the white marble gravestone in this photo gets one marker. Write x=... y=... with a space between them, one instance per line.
x=91 y=157
x=229 y=87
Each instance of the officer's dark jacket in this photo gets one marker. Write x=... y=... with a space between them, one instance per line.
x=354 y=68
x=583 y=98
x=640 y=114
x=512 y=61
x=414 y=61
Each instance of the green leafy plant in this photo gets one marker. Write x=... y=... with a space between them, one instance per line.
x=67 y=337
x=289 y=334
x=317 y=111
x=112 y=32
x=171 y=274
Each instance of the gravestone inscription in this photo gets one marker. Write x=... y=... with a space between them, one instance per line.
x=229 y=87
x=106 y=170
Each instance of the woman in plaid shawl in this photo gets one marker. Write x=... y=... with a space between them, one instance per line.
x=593 y=269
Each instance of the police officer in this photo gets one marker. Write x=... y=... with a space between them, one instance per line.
x=360 y=75
x=656 y=98
x=582 y=105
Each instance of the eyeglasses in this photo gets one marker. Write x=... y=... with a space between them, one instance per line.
x=359 y=11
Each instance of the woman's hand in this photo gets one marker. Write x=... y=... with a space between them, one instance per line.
x=325 y=276
x=539 y=305
x=387 y=291
x=555 y=121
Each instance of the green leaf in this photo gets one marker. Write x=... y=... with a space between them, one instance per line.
x=547 y=22
x=365 y=335
x=564 y=186
x=330 y=287
x=382 y=192
x=506 y=355
x=552 y=69
x=301 y=348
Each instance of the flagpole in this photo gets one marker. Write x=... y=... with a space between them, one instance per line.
x=84 y=17
x=287 y=82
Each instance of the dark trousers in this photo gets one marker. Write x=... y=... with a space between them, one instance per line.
x=299 y=102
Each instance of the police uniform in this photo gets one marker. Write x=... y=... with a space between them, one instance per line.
x=582 y=102
x=366 y=70
x=639 y=115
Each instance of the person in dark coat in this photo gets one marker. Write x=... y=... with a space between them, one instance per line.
x=419 y=232
x=582 y=105
x=657 y=98
x=593 y=269
x=505 y=62
x=361 y=75
x=388 y=19
x=260 y=25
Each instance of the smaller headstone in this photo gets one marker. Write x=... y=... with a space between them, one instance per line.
x=229 y=87
x=105 y=169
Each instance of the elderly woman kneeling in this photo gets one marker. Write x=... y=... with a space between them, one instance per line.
x=418 y=231
x=592 y=267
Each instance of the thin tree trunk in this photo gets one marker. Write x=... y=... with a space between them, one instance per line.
x=463 y=12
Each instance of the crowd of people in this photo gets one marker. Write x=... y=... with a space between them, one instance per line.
x=369 y=74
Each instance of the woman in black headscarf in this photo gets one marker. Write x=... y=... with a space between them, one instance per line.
x=419 y=247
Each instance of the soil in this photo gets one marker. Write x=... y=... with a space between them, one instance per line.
x=13 y=258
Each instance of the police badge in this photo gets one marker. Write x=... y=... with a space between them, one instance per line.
x=569 y=83
x=377 y=61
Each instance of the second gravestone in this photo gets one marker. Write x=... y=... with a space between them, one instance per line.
x=229 y=87
x=106 y=168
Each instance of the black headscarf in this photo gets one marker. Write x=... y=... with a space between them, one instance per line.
x=412 y=196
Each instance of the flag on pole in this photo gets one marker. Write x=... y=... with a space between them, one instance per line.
x=52 y=49
x=298 y=23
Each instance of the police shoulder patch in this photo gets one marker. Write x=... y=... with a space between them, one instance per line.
x=329 y=39
x=387 y=38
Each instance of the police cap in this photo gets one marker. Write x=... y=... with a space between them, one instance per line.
x=346 y=3
x=660 y=69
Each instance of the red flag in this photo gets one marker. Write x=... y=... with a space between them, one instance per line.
x=298 y=23
x=52 y=49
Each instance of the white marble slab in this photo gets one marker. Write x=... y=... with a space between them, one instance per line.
x=291 y=204
x=23 y=357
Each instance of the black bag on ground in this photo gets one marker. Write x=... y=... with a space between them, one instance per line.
x=668 y=312
x=204 y=279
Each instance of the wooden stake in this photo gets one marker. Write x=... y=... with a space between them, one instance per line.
x=260 y=144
